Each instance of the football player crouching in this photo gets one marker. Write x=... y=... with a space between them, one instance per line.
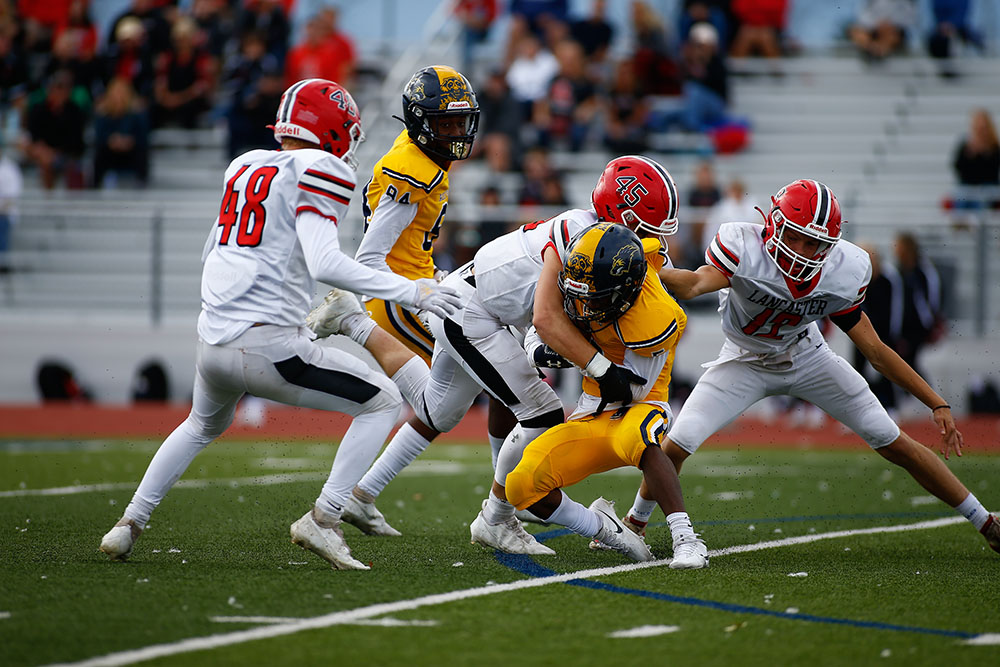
x=612 y=293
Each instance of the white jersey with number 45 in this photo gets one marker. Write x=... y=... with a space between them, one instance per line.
x=254 y=266
x=763 y=312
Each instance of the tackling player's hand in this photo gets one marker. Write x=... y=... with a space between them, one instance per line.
x=951 y=437
x=543 y=356
x=615 y=383
x=438 y=299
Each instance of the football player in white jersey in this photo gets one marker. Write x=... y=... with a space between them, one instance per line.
x=511 y=284
x=275 y=235
x=776 y=281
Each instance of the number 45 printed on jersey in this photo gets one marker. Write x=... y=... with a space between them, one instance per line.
x=249 y=218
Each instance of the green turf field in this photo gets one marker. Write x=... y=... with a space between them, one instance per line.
x=216 y=561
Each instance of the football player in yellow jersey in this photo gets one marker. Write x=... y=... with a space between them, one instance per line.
x=612 y=292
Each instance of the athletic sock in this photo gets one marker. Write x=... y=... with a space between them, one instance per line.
x=974 y=511
x=642 y=509
x=497 y=510
x=358 y=327
x=680 y=526
x=405 y=446
x=576 y=517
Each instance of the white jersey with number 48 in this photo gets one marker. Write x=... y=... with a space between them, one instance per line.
x=254 y=266
x=765 y=313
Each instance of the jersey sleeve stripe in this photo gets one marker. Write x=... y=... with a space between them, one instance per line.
x=426 y=187
x=326 y=193
x=313 y=209
x=717 y=241
x=331 y=178
x=327 y=186
x=719 y=261
x=649 y=342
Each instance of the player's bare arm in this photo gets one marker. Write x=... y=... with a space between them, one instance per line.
x=885 y=360
x=684 y=284
x=550 y=320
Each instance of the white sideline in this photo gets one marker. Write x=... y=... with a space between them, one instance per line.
x=361 y=613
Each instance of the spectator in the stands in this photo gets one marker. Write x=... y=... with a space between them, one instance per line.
x=79 y=23
x=254 y=86
x=268 y=18
x=536 y=170
x=703 y=194
x=952 y=28
x=881 y=27
x=500 y=120
x=715 y=12
x=923 y=322
x=476 y=17
x=760 y=24
x=322 y=54
x=977 y=156
x=10 y=192
x=152 y=18
x=13 y=71
x=567 y=112
x=594 y=33
x=216 y=24
x=884 y=306
x=706 y=83
x=492 y=224
x=121 y=135
x=656 y=72
x=531 y=72
x=70 y=53
x=56 y=126
x=534 y=17
x=184 y=78
x=131 y=57
x=625 y=123
x=736 y=205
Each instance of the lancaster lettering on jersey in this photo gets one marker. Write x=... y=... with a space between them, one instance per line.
x=806 y=307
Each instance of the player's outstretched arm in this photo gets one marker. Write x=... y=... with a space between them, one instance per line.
x=684 y=284
x=550 y=320
x=885 y=360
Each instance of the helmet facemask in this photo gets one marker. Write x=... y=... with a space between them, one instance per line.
x=447 y=146
x=795 y=266
x=665 y=228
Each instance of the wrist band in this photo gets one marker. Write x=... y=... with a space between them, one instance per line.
x=597 y=366
x=943 y=405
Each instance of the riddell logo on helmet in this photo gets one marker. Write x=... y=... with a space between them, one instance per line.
x=459 y=105
x=287 y=130
x=574 y=286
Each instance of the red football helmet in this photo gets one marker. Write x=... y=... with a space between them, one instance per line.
x=637 y=192
x=321 y=112
x=807 y=207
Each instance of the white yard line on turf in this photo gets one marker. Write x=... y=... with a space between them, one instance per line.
x=263 y=620
x=416 y=468
x=4 y=614
x=362 y=613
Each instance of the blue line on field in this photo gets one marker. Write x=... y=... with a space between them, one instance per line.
x=525 y=565
x=559 y=532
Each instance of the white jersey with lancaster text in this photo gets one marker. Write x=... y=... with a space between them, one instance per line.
x=254 y=267
x=763 y=313
x=507 y=269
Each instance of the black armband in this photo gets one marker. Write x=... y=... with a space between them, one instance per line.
x=847 y=320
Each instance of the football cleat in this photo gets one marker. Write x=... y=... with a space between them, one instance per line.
x=327 y=542
x=326 y=318
x=616 y=536
x=367 y=518
x=690 y=553
x=117 y=543
x=509 y=537
x=633 y=524
x=991 y=531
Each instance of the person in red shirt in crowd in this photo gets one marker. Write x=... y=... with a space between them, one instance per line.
x=761 y=23
x=325 y=53
x=78 y=23
x=184 y=78
x=476 y=17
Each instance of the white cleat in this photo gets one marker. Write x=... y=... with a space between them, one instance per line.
x=326 y=318
x=630 y=522
x=509 y=537
x=690 y=553
x=326 y=542
x=367 y=518
x=117 y=543
x=616 y=535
